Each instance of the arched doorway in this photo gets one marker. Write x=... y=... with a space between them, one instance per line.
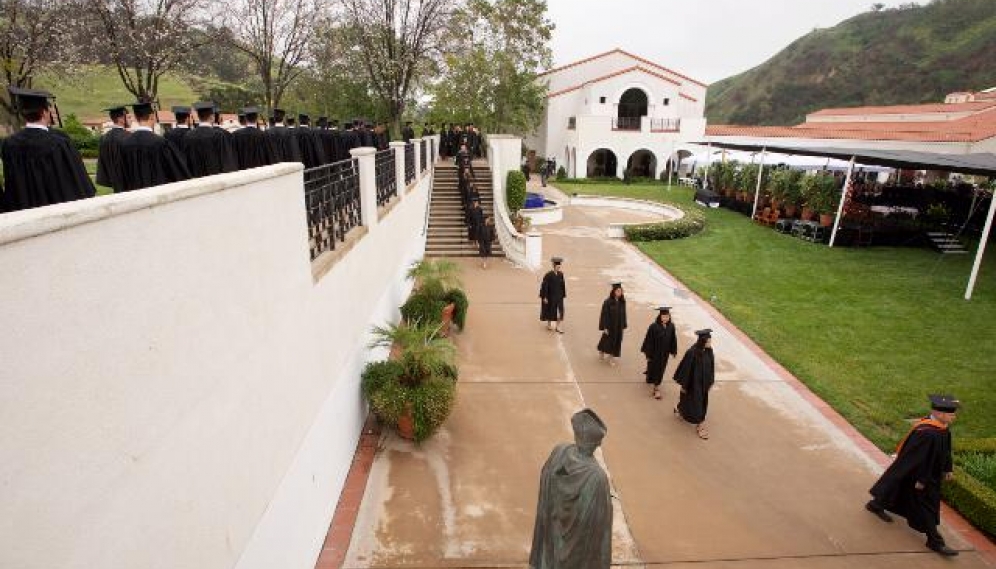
x=602 y=163
x=573 y=172
x=642 y=164
x=632 y=105
x=679 y=164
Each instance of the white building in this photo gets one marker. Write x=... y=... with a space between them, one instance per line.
x=617 y=110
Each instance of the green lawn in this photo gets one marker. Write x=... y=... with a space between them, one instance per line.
x=96 y=87
x=871 y=330
x=91 y=168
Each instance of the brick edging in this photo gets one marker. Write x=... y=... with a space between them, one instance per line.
x=333 y=553
x=952 y=519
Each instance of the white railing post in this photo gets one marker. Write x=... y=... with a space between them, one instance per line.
x=366 y=158
x=417 y=142
x=399 y=166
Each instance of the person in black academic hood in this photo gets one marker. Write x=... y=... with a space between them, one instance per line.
x=476 y=219
x=612 y=323
x=552 y=293
x=312 y=153
x=284 y=141
x=176 y=134
x=253 y=147
x=407 y=133
x=696 y=374
x=109 y=166
x=209 y=150
x=911 y=486
x=659 y=344
x=485 y=240
x=149 y=160
x=40 y=166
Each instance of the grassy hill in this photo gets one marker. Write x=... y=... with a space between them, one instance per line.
x=908 y=55
x=98 y=87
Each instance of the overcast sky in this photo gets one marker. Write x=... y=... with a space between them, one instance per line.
x=707 y=40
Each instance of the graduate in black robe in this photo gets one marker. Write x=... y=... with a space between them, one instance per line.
x=252 y=147
x=612 y=323
x=176 y=134
x=283 y=138
x=407 y=133
x=552 y=293
x=475 y=219
x=696 y=374
x=209 y=149
x=109 y=168
x=149 y=160
x=485 y=240
x=312 y=153
x=911 y=486
x=660 y=343
x=326 y=137
x=40 y=166
x=427 y=130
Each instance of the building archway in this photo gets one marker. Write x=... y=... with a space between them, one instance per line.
x=679 y=165
x=602 y=163
x=642 y=164
x=632 y=106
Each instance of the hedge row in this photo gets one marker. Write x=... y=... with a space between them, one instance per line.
x=973 y=499
x=692 y=223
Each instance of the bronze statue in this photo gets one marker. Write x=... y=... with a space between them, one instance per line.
x=574 y=515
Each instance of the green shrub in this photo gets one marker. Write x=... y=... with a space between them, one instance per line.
x=561 y=174
x=972 y=499
x=431 y=401
x=692 y=223
x=981 y=465
x=83 y=139
x=423 y=308
x=786 y=186
x=987 y=445
x=821 y=193
x=459 y=299
x=515 y=191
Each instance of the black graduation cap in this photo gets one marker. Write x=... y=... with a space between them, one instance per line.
x=557 y=260
x=617 y=284
x=181 y=111
x=142 y=108
x=944 y=403
x=303 y=118
x=117 y=110
x=664 y=309
x=205 y=106
x=250 y=111
x=30 y=99
x=707 y=333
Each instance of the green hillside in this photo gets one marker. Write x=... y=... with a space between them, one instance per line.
x=98 y=87
x=909 y=55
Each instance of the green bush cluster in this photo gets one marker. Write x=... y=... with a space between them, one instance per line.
x=430 y=401
x=83 y=139
x=515 y=191
x=692 y=223
x=972 y=491
x=561 y=174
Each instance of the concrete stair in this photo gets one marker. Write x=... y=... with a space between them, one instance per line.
x=947 y=243
x=447 y=236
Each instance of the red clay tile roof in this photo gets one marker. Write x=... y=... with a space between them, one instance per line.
x=626 y=53
x=610 y=76
x=907 y=109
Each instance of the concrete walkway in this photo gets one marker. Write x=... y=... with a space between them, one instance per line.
x=778 y=485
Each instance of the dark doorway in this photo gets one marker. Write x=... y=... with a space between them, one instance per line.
x=602 y=163
x=632 y=106
x=642 y=164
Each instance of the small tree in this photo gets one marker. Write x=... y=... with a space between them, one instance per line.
x=515 y=191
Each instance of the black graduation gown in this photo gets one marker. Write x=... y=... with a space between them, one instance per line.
x=925 y=456
x=285 y=144
x=554 y=291
x=475 y=223
x=175 y=137
x=695 y=374
x=612 y=322
x=485 y=239
x=150 y=160
x=328 y=140
x=42 y=168
x=253 y=148
x=658 y=345
x=407 y=134
x=311 y=147
x=209 y=151
x=109 y=167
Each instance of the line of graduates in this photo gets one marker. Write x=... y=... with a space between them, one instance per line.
x=453 y=137
x=480 y=227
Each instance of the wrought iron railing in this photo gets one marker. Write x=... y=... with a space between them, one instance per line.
x=332 y=198
x=422 y=158
x=626 y=123
x=665 y=125
x=572 y=123
x=409 y=163
x=387 y=177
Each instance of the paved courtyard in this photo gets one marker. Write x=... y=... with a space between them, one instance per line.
x=779 y=484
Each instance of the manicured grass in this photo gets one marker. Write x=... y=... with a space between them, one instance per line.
x=981 y=466
x=91 y=168
x=870 y=330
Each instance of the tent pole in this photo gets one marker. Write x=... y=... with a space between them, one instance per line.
x=982 y=248
x=760 y=174
x=708 y=166
x=843 y=198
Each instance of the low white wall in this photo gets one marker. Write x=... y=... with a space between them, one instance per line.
x=504 y=153
x=618 y=230
x=544 y=215
x=179 y=392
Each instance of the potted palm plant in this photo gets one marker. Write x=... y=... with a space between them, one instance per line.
x=438 y=295
x=823 y=197
x=414 y=390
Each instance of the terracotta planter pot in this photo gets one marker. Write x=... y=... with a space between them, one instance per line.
x=775 y=203
x=826 y=220
x=790 y=210
x=406 y=424
x=807 y=214
x=448 y=311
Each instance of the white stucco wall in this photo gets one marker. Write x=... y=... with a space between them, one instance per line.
x=178 y=391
